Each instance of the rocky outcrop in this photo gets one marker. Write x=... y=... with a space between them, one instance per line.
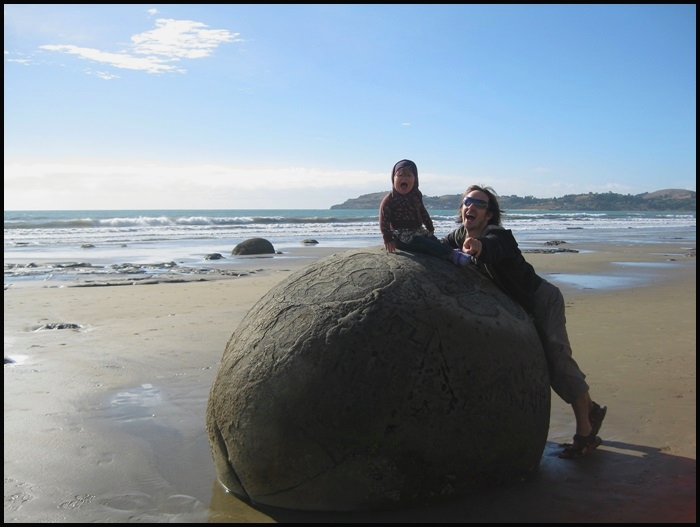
x=371 y=380
x=662 y=200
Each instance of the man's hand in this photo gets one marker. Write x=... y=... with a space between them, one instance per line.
x=472 y=246
x=390 y=247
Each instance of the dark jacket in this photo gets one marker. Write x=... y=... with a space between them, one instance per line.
x=403 y=212
x=501 y=259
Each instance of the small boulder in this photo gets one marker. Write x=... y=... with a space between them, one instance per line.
x=253 y=246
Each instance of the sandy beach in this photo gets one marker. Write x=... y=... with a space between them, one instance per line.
x=105 y=420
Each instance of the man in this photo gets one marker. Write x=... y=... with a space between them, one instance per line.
x=494 y=250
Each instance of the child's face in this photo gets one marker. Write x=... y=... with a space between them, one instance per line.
x=404 y=181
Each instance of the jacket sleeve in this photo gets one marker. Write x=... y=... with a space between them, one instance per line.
x=455 y=239
x=498 y=245
x=385 y=219
x=427 y=220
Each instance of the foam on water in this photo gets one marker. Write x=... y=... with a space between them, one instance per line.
x=106 y=239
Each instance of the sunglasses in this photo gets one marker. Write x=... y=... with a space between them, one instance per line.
x=478 y=203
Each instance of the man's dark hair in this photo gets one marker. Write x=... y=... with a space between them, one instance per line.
x=493 y=207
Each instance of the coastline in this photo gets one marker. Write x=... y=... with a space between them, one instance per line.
x=114 y=411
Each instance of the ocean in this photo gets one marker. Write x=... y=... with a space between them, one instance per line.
x=36 y=240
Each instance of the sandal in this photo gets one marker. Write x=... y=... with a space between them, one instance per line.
x=584 y=445
x=581 y=447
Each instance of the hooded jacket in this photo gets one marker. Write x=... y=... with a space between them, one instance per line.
x=502 y=259
x=403 y=211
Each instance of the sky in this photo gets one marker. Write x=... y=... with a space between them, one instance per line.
x=249 y=106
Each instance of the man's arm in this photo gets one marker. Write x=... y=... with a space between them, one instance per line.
x=455 y=238
x=497 y=245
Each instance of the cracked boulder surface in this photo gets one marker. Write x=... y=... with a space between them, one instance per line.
x=369 y=380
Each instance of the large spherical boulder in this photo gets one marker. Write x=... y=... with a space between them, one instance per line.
x=369 y=380
x=253 y=246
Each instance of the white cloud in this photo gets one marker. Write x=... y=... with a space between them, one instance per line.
x=171 y=41
x=103 y=74
x=89 y=184
x=118 y=60
x=60 y=185
x=181 y=39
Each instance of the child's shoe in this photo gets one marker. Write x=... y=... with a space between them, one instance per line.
x=460 y=258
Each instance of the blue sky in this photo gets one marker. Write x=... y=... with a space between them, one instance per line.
x=123 y=106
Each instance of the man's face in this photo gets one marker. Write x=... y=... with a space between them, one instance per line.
x=404 y=180
x=475 y=211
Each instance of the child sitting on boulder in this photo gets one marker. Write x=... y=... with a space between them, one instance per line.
x=404 y=221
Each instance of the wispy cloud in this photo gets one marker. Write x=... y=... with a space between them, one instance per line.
x=178 y=185
x=117 y=60
x=158 y=50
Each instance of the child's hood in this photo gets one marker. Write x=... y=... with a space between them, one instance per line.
x=405 y=163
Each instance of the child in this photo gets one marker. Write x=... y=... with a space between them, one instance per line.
x=404 y=221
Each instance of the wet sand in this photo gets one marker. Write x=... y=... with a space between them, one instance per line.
x=105 y=422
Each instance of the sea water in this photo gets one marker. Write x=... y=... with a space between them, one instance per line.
x=111 y=237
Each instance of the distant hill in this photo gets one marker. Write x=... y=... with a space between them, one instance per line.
x=661 y=200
